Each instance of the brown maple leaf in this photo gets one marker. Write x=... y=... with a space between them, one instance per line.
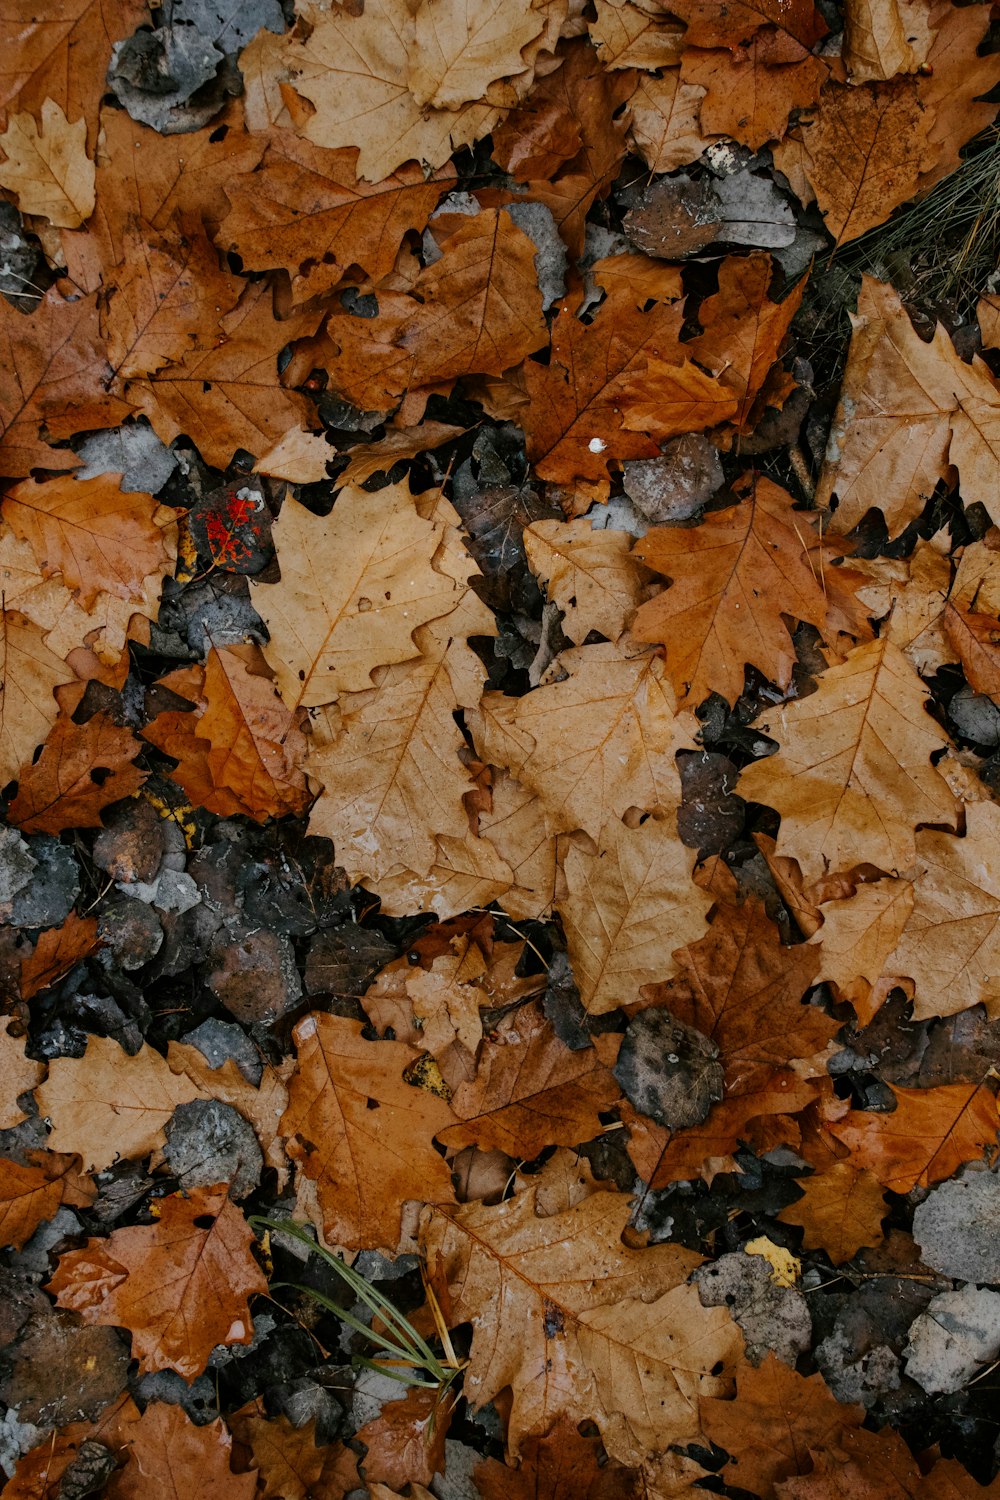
x=840 y=1211
x=31 y=1192
x=190 y=1463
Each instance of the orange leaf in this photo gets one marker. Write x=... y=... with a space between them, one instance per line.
x=925 y=1138
x=82 y=769
x=56 y=951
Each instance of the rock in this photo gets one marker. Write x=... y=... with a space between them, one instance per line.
x=667 y=1070
x=63 y=1372
x=677 y=485
x=130 y=846
x=774 y=1319
x=959 y=1332
x=675 y=217
x=218 y=1040
x=131 y=931
x=210 y=1142
x=956 y=1228
x=47 y=899
x=710 y=816
x=16 y=866
x=255 y=975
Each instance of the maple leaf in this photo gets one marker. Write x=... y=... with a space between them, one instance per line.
x=31 y=1192
x=929 y=1133
x=39 y=1473
x=82 y=769
x=733 y=578
x=354 y=587
x=48 y=167
x=627 y=906
x=30 y=673
x=563 y=1463
x=242 y=752
x=107 y=1104
x=530 y=1091
x=858 y=935
x=742 y=988
x=100 y=538
x=748 y=98
x=853 y=776
x=476 y=310
x=227 y=393
x=55 y=953
x=907 y=410
x=189 y=1462
x=587 y=573
x=287 y=1458
x=593 y=745
x=592 y=1329
x=180 y=1286
x=406 y=1440
x=361 y=1132
x=840 y=1211
x=55 y=380
x=777 y=1417
x=303 y=208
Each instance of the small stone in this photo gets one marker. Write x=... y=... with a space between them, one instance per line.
x=675 y=1094
x=131 y=930
x=130 y=847
x=210 y=1142
x=219 y=1040
x=16 y=866
x=256 y=978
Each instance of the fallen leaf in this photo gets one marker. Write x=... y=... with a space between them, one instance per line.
x=30 y=673
x=558 y=1466
x=287 y=1458
x=746 y=97
x=796 y=22
x=406 y=1440
x=47 y=166
x=31 y=1192
x=881 y=40
x=19 y=1074
x=184 y=1461
x=841 y=1210
x=626 y=35
x=55 y=953
x=180 y=1286
x=859 y=934
x=82 y=769
x=666 y=121
x=925 y=1138
x=587 y=573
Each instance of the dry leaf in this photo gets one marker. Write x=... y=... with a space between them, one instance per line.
x=31 y=1192
x=30 y=673
x=82 y=769
x=747 y=98
x=184 y=1462
x=47 y=166
x=19 y=1074
x=841 y=1210
x=55 y=953
x=587 y=573
x=925 y=1138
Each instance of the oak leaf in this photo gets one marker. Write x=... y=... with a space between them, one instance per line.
x=460 y=47
x=82 y=769
x=798 y=23
x=354 y=587
x=30 y=673
x=883 y=38
x=907 y=411
x=100 y=538
x=183 y=1461
x=853 y=775
x=591 y=1329
x=925 y=1138
x=734 y=577
x=950 y=943
x=228 y=394
x=180 y=1286
x=593 y=745
x=587 y=573
x=465 y=873
x=399 y=444
x=742 y=988
x=562 y=1465
x=47 y=166
x=243 y=752
x=55 y=953
x=775 y=1422
x=515 y=825
x=355 y=71
x=746 y=97
x=19 y=1074
x=626 y=907
x=477 y=310
x=859 y=934
x=958 y=77
x=304 y=208
x=31 y=1192
x=530 y=1091
x=665 y=115
x=632 y=35
x=286 y=1457
x=55 y=380
x=841 y=1210
x=361 y=1132
x=107 y=1104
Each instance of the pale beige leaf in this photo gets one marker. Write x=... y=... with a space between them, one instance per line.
x=950 y=946
x=913 y=592
x=853 y=775
x=988 y=314
x=629 y=35
x=591 y=746
x=462 y=46
x=577 y=1324
x=48 y=167
x=861 y=931
x=355 y=71
x=665 y=125
x=18 y=1074
x=627 y=908
x=354 y=586
x=515 y=826
x=588 y=573
x=300 y=457
x=106 y=1104
x=29 y=672
x=884 y=37
x=465 y=873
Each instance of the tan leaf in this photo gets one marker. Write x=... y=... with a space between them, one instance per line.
x=31 y=1192
x=630 y=35
x=48 y=167
x=106 y=1104
x=300 y=457
x=592 y=745
x=734 y=577
x=929 y=1134
x=286 y=1457
x=666 y=121
x=950 y=945
x=399 y=443
x=243 y=752
x=188 y=1462
x=18 y=1075
x=82 y=769
x=912 y=592
x=261 y=1105
x=957 y=78
x=907 y=410
x=361 y=1132
x=853 y=775
x=30 y=673
x=354 y=586
x=460 y=47
x=587 y=573
x=841 y=1210
x=747 y=99
x=355 y=71
x=797 y=22
x=100 y=538
x=859 y=934
x=883 y=38
x=180 y=1286
x=589 y=1328
x=530 y=1091
x=627 y=908
x=515 y=826
x=465 y=873
x=55 y=953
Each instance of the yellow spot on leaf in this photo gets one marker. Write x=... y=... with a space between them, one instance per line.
x=786 y=1268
